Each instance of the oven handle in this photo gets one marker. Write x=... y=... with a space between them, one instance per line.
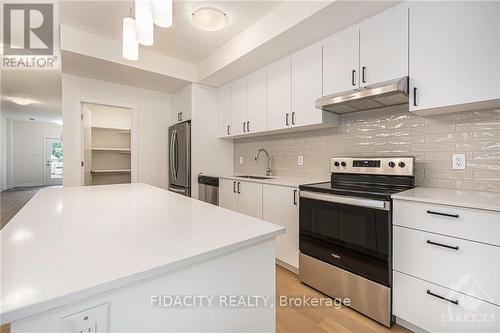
x=368 y=203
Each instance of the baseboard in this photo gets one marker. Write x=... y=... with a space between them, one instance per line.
x=409 y=326
x=28 y=185
x=287 y=266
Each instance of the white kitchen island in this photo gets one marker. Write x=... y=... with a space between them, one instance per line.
x=127 y=251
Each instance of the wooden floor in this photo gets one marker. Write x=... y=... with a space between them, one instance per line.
x=322 y=319
x=12 y=200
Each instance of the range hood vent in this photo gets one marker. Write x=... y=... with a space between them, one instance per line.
x=388 y=93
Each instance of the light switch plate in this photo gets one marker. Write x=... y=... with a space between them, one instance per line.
x=458 y=161
x=93 y=320
x=300 y=160
x=241 y=159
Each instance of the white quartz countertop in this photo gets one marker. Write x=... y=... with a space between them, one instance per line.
x=75 y=242
x=450 y=197
x=272 y=180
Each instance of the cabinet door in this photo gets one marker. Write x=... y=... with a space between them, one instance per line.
x=250 y=199
x=454 y=53
x=227 y=194
x=341 y=61
x=384 y=46
x=225 y=111
x=239 y=106
x=181 y=105
x=257 y=101
x=280 y=206
x=306 y=85
x=278 y=94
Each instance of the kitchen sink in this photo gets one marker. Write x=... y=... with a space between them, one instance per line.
x=254 y=177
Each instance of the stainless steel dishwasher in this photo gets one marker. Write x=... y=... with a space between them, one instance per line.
x=208 y=189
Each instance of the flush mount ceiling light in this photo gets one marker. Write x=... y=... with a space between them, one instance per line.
x=162 y=13
x=130 y=46
x=144 y=22
x=21 y=100
x=209 y=19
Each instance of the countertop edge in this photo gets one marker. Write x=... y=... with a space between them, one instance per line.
x=30 y=310
x=277 y=180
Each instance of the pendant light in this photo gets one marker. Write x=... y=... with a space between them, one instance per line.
x=162 y=13
x=130 y=47
x=144 y=22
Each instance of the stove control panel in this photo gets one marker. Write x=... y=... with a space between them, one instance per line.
x=397 y=166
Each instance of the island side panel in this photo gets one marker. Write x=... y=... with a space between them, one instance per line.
x=248 y=271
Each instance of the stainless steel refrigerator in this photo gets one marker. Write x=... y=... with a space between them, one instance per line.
x=179 y=155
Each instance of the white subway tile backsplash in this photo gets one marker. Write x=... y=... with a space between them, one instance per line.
x=389 y=132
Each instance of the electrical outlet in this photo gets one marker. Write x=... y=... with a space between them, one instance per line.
x=93 y=320
x=300 y=160
x=241 y=159
x=458 y=161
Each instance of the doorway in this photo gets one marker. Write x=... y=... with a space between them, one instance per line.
x=53 y=161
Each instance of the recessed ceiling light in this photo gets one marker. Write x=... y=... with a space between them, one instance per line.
x=21 y=101
x=209 y=19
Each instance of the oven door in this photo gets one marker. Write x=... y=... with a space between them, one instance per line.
x=350 y=233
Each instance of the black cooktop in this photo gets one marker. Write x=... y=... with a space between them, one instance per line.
x=364 y=186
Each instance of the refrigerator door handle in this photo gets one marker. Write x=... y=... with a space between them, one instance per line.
x=176 y=155
x=171 y=157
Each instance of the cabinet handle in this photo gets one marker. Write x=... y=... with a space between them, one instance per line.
x=234 y=187
x=363 y=74
x=442 y=245
x=293 y=118
x=248 y=126
x=244 y=128
x=442 y=297
x=239 y=187
x=415 y=96
x=295 y=197
x=180 y=116
x=228 y=129
x=286 y=120
x=456 y=216
x=353 y=77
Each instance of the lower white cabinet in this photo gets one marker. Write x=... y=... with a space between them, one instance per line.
x=243 y=197
x=281 y=206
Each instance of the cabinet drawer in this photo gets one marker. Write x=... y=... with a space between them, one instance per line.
x=473 y=224
x=425 y=256
x=413 y=303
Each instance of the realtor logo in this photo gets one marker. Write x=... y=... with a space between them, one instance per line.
x=28 y=29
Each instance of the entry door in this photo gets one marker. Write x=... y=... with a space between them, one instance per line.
x=53 y=161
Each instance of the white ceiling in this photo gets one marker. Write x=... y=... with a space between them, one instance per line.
x=183 y=40
x=44 y=87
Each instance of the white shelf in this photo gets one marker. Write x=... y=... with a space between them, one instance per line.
x=118 y=150
x=112 y=171
x=121 y=130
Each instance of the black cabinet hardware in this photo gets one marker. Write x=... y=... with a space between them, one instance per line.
x=442 y=214
x=286 y=120
x=244 y=128
x=442 y=245
x=363 y=74
x=415 y=96
x=353 y=77
x=234 y=187
x=228 y=129
x=239 y=187
x=442 y=297
x=248 y=126
x=293 y=118
x=295 y=197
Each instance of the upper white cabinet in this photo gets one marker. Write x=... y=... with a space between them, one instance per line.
x=281 y=206
x=257 y=102
x=181 y=105
x=454 y=56
x=383 y=42
x=225 y=116
x=341 y=61
x=239 y=106
x=374 y=51
x=279 y=82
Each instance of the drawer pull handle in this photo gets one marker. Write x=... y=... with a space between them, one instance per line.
x=441 y=297
x=442 y=245
x=442 y=214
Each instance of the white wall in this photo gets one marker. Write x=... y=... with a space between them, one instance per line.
x=5 y=159
x=210 y=155
x=28 y=151
x=109 y=116
x=153 y=118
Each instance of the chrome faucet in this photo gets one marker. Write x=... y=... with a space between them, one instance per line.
x=268 y=168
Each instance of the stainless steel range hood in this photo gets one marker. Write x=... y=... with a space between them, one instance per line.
x=388 y=93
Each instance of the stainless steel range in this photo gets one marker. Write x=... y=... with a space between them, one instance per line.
x=346 y=231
